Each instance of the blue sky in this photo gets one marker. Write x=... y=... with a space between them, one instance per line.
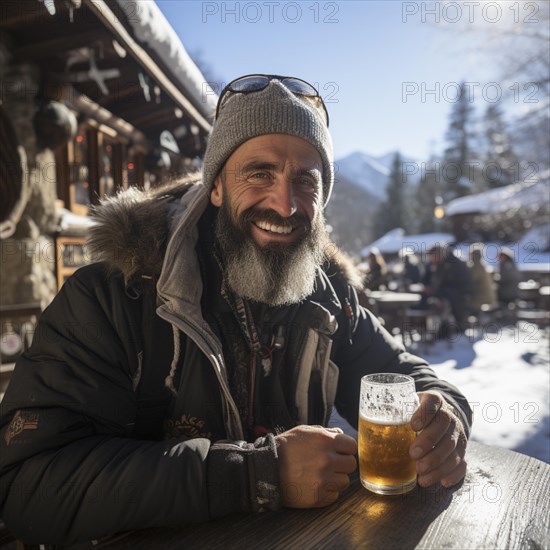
x=362 y=55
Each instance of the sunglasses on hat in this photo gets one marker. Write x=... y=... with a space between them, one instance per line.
x=251 y=83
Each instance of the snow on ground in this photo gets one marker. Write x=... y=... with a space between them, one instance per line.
x=505 y=374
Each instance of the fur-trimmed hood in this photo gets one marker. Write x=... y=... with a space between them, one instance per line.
x=133 y=228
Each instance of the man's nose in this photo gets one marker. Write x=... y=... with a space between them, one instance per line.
x=282 y=198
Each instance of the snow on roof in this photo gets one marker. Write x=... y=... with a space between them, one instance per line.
x=396 y=241
x=537 y=238
x=514 y=196
x=151 y=27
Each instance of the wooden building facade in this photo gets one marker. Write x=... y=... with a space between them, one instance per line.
x=89 y=105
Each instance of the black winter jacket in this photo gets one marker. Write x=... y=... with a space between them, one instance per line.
x=94 y=442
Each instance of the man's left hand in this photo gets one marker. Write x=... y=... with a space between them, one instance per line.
x=441 y=444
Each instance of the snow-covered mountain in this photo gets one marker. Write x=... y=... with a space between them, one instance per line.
x=367 y=171
x=359 y=189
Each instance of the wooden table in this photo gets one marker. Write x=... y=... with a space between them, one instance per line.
x=503 y=503
x=392 y=306
x=544 y=297
x=398 y=299
x=529 y=291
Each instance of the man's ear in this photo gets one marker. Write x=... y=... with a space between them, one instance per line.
x=216 y=195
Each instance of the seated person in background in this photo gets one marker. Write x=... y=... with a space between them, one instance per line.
x=508 y=278
x=188 y=375
x=411 y=270
x=377 y=275
x=448 y=278
x=483 y=291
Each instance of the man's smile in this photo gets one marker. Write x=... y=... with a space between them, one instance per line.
x=267 y=232
x=273 y=228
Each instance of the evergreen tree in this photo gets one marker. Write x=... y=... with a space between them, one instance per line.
x=393 y=211
x=427 y=199
x=425 y=203
x=457 y=167
x=501 y=164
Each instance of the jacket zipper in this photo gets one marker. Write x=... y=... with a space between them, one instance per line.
x=255 y=348
x=200 y=338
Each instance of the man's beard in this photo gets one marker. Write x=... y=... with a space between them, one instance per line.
x=276 y=274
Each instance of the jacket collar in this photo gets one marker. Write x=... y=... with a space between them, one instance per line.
x=180 y=275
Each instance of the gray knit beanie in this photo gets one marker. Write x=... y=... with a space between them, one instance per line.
x=274 y=110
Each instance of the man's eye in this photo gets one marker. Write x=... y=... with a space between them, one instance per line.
x=259 y=175
x=308 y=182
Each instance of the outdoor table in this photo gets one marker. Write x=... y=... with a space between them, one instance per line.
x=529 y=291
x=529 y=285
x=416 y=287
x=395 y=298
x=392 y=306
x=544 y=297
x=502 y=503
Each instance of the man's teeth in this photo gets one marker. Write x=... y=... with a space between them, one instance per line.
x=274 y=228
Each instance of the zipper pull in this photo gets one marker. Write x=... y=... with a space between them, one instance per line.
x=278 y=340
x=349 y=314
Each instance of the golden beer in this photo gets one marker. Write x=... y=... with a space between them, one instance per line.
x=387 y=402
x=384 y=462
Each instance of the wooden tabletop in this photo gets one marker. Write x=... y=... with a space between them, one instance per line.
x=398 y=298
x=502 y=503
x=529 y=285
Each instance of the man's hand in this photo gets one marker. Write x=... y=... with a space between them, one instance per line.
x=314 y=464
x=440 y=447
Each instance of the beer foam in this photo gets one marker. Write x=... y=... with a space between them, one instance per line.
x=387 y=421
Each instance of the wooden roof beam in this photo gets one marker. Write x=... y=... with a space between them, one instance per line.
x=158 y=118
x=83 y=104
x=108 y=18
x=61 y=44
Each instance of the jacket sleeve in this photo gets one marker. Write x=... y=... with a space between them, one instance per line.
x=69 y=472
x=373 y=349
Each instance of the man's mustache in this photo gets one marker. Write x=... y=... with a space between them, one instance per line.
x=270 y=216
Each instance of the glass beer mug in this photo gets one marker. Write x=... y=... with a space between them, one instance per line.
x=386 y=406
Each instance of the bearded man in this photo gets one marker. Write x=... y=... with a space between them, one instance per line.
x=189 y=374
